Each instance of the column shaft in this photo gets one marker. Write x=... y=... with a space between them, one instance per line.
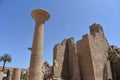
x=16 y=74
x=36 y=57
x=35 y=70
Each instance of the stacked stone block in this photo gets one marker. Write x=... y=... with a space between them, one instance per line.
x=86 y=60
x=16 y=74
x=92 y=51
x=66 y=65
x=46 y=71
x=60 y=60
x=73 y=60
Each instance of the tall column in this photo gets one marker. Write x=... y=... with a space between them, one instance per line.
x=35 y=70
x=16 y=74
x=1 y=75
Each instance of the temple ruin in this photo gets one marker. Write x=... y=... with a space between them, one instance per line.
x=35 y=70
x=85 y=59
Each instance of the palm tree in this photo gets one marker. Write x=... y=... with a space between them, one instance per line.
x=5 y=58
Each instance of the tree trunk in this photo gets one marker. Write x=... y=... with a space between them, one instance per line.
x=3 y=66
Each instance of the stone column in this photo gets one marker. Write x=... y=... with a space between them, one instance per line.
x=35 y=70
x=1 y=75
x=16 y=74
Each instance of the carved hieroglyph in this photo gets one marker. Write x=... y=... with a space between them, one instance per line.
x=35 y=70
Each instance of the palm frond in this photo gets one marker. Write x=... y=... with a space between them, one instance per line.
x=6 y=57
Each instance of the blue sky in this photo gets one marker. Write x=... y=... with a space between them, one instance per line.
x=69 y=18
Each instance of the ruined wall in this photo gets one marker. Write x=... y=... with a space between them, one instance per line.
x=115 y=64
x=66 y=65
x=61 y=61
x=12 y=73
x=73 y=60
x=116 y=69
x=85 y=60
x=46 y=71
x=92 y=51
x=74 y=70
x=71 y=52
x=99 y=51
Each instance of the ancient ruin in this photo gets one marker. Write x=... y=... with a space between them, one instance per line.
x=85 y=59
x=12 y=73
x=22 y=74
x=35 y=70
x=115 y=65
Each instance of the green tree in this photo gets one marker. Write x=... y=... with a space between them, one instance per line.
x=5 y=58
x=112 y=57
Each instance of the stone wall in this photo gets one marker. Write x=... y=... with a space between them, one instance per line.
x=85 y=60
x=61 y=61
x=115 y=65
x=92 y=51
x=66 y=65
x=46 y=71
x=99 y=51
x=12 y=73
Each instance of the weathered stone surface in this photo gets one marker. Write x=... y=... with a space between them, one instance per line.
x=66 y=65
x=8 y=71
x=61 y=61
x=76 y=67
x=115 y=65
x=46 y=71
x=116 y=69
x=71 y=55
x=85 y=61
x=16 y=74
x=93 y=50
x=1 y=75
x=96 y=29
x=35 y=70
x=73 y=60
